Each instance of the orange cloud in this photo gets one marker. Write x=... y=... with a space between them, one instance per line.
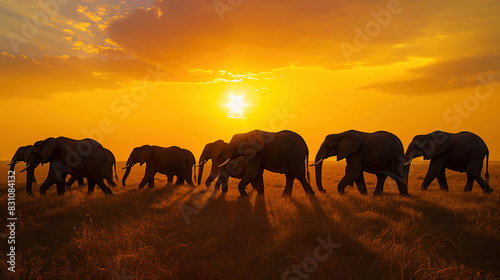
x=260 y=35
x=461 y=66
x=43 y=77
x=444 y=76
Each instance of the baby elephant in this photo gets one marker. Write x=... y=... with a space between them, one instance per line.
x=462 y=152
x=169 y=161
x=190 y=165
x=215 y=151
x=107 y=169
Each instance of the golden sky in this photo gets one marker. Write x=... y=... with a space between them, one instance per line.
x=130 y=73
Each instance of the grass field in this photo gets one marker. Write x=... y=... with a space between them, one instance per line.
x=141 y=234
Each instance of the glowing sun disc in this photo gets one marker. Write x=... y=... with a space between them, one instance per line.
x=236 y=105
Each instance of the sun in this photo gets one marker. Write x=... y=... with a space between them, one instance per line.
x=236 y=105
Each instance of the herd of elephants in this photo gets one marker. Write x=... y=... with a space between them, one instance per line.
x=247 y=155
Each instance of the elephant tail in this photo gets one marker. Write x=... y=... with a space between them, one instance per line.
x=194 y=171
x=487 y=175
x=307 y=169
x=116 y=174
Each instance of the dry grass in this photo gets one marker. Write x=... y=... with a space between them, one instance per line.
x=141 y=234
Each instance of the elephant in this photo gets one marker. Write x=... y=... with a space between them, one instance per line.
x=169 y=161
x=109 y=163
x=463 y=151
x=380 y=153
x=22 y=154
x=81 y=158
x=190 y=165
x=215 y=151
x=281 y=152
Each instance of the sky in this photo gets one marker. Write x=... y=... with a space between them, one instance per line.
x=186 y=73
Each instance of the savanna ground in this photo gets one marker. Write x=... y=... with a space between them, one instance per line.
x=141 y=234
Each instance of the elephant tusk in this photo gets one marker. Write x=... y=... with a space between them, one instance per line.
x=25 y=169
x=408 y=162
x=318 y=162
x=130 y=165
x=224 y=163
x=202 y=163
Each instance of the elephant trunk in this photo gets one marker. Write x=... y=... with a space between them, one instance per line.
x=411 y=153
x=30 y=176
x=127 y=172
x=319 y=182
x=406 y=172
x=320 y=157
x=12 y=165
x=200 y=172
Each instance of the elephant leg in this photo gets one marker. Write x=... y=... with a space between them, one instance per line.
x=179 y=181
x=148 y=175
x=353 y=169
x=170 y=178
x=96 y=177
x=49 y=182
x=80 y=182
x=91 y=187
x=435 y=167
x=474 y=170
x=468 y=185
x=71 y=180
x=250 y=175
x=398 y=175
x=402 y=186
x=224 y=180
x=351 y=184
x=242 y=185
x=190 y=173
x=218 y=183
x=258 y=183
x=145 y=180
x=183 y=175
x=151 y=183
x=289 y=184
x=211 y=178
x=379 y=189
x=104 y=188
x=111 y=182
x=61 y=188
x=360 y=184
x=224 y=186
x=298 y=170
x=485 y=186
x=443 y=184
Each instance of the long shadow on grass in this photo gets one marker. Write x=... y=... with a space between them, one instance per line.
x=439 y=232
x=238 y=217
x=352 y=260
x=103 y=212
x=445 y=234
x=242 y=232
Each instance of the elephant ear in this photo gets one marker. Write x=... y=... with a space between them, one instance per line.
x=48 y=148
x=348 y=144
x=27 y=153
x=437 y=144
x=254 y=144
x=145 y=154
x=217 y=149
